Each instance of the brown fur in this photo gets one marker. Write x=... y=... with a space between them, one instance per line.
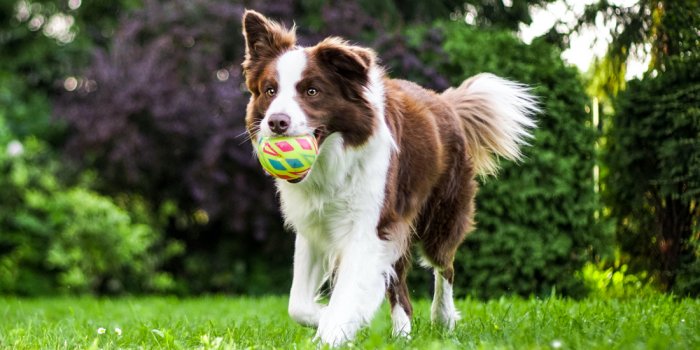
x=430 y=181
x=338 y=107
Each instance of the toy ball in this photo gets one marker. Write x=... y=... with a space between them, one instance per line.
x=287 y=157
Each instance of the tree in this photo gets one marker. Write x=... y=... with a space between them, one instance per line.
x=652 y=135
x=663 y=28
x=41 y=42
x=653 y=185
x=506 y=15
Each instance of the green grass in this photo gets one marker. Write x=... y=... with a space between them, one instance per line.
x=262 y=323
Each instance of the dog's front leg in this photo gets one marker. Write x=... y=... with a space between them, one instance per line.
x=358 y=290
x=307 y=279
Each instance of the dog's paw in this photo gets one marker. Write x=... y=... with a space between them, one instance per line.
x=334 y=338
x=446 y=318
x=401 y=323
x=333 y=331
x=308 y=316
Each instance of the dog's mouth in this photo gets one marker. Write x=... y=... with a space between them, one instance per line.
x=320 y=134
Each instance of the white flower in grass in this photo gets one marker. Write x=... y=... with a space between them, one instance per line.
x=101 y=330
x=556 y=343
x=118 y=331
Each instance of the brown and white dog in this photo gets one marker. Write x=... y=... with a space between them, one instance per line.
x=396 y=166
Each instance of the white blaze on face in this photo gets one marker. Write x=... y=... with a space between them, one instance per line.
x=290 y=67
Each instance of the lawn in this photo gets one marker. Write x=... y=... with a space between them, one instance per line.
x=262 y=323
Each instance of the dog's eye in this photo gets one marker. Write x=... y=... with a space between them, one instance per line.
x=311 y=91
x=270 y=92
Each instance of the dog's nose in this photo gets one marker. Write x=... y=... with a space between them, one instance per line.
x=279 y=123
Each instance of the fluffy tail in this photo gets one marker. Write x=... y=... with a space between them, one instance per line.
x=497 y=117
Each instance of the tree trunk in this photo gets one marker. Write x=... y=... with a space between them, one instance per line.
x=675 y=222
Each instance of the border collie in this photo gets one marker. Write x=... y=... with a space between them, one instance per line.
x=396 y=167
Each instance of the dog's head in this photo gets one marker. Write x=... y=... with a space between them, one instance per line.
x=316 y=90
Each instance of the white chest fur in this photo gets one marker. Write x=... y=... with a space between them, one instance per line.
x=342 y=196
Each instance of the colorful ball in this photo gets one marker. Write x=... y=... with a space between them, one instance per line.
x=287 y=157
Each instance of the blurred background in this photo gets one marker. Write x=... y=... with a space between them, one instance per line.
x=124 y=168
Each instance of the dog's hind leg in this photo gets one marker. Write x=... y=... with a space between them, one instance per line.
x=397 y=293
x=307 y=280
x=442 y=226
x=443 y=310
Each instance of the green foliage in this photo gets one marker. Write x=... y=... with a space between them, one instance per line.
x=58 y=238
x=496 y=14
x=262 y=323
x=653 y=186
x=25 y=111
x=35 y=58
x=535 y=221
x=395 y=13
x=606 y=281
x=664 y=28
x=688 y=276
x=56 y=233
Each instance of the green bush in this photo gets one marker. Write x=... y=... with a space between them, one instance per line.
x=653 y=182
x=615 y=281
x=535 y=221
x=56 y=233
x=55 y=238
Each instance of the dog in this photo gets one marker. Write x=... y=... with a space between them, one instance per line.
x=396 y=168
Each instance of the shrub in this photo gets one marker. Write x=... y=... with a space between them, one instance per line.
x=614 y=280
x=70 y=239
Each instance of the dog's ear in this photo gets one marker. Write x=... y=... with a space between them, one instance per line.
x=264 y=39
x=350 y=62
